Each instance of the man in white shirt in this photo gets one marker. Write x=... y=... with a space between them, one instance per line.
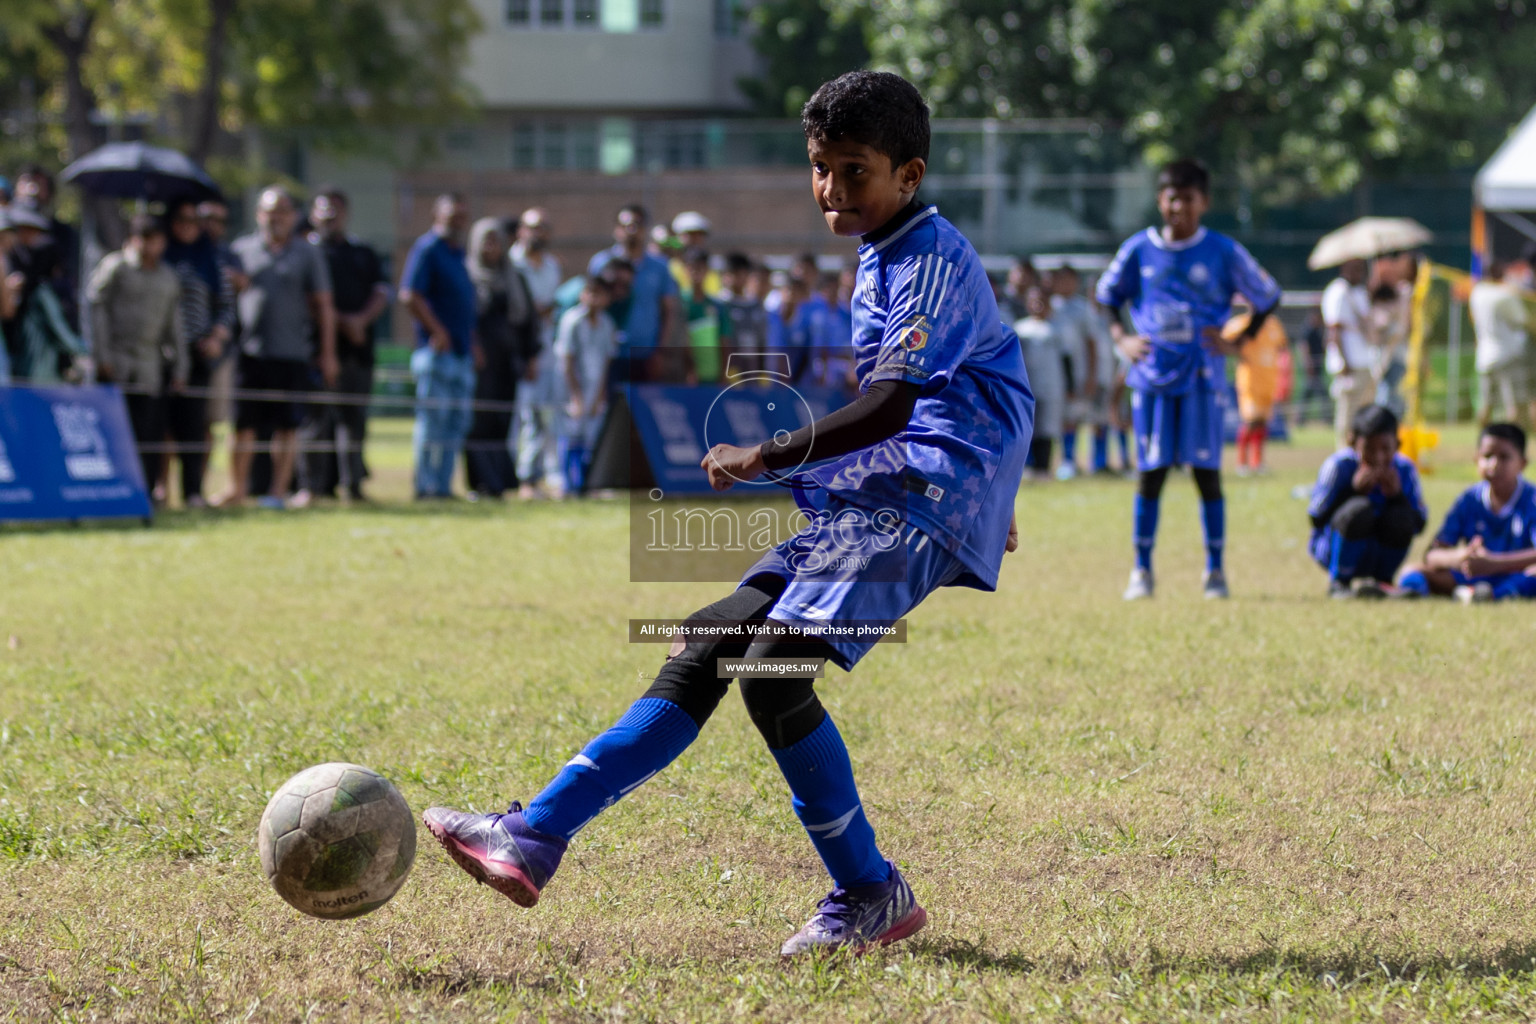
x=1499 y=317
x=1345 y=307
x=538 y=460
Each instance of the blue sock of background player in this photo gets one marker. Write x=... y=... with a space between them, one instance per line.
x=1145 y=531
x=1213 y=517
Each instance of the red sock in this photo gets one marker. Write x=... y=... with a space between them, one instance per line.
x=1256 y=436
x=1244 y=432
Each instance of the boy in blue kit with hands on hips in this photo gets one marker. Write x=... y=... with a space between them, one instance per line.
x=1487 y=546
x=1178 y=281
x=919 y=475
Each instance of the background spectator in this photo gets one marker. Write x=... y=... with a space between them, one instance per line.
x=1499 y=318
x=436 y=288
x=285 y=301
x=584 y=346
x=135 y=303
x=360 y=295
x=60 y=258
x=711 y=336
x=1345 y=307
x=652 y=312
x=39 y=335
x=538 y=456
x=507 y=332
x=691 y=229
x=207 y=320
x=749 y=320
x=1043 y=364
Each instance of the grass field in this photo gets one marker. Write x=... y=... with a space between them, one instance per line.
x=1277 y=808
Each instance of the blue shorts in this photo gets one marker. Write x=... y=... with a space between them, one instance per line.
x=1178 y=430
x=850 y=568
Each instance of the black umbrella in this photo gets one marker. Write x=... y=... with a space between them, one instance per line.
x=135 y=170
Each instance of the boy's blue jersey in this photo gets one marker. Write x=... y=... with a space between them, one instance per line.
x=1512 y=528
x=1336 y=483
x=924 y=312
x=1175 y=290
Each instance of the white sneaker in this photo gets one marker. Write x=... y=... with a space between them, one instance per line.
x=1214 y=585
x=1480 y=592
x=1241 y=470
x=1066 y=471
x=1140 y=587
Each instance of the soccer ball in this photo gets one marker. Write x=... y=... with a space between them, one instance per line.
x=337 y=840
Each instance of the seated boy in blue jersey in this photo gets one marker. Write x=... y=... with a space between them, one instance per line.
x=919 y=473
x=1178 y=281
x=1366 y=508
x=1488 y=544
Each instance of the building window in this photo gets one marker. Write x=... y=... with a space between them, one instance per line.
x=728 y=18
x=651 y=13
x=555 y=146
x=551 y=13
x=585 y=14
x=525 y=145
x=518 y=12
x=607 y=15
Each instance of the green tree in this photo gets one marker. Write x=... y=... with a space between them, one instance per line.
x=803 y=43
x=192 y=68
x=1291 y=95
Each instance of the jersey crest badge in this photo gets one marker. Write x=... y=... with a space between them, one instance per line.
x=915 y=330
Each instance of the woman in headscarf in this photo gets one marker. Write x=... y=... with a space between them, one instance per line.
x=208 y=319
x=507 y=336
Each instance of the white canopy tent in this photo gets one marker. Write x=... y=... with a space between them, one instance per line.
x=1506 y=189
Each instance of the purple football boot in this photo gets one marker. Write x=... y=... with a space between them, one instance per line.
x=860 y=919
x=498 y=850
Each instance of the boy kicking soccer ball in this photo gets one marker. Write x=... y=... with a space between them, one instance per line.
x=927 y=461
x=1488 y=542
x=1178 y=281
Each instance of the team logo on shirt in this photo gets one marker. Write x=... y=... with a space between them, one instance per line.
x=1198 y=274
x=914 y=332
x=933 y=492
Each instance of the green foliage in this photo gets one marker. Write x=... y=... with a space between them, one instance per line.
x=336 y=68
x=803 y=44
x=1293 y=95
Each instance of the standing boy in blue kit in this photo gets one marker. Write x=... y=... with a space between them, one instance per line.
x=920 y=473
x=1178 y=281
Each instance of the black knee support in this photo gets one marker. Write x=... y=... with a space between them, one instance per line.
x=1151 y=483
x=785 y=711
x=1356 y=519
x=689 y=677
x=1209 y=483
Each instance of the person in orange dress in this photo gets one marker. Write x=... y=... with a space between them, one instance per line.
x=1260 y=363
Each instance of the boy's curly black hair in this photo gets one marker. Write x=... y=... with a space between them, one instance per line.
x=1507 y=432
x=1185 y=173
x=879 y=109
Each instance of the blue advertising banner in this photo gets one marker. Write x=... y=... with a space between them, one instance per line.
x=677 y=425
x=68 y=453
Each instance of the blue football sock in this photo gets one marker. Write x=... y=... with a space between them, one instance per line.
x=1069 y=448
x=1515 y=585
x=1415 y=581
x=645 y=740
x=1213 y=516
x=1100 y=450
x=1145 y=528
x=827 y=804
x=1386 y=562
x=1345 y=555
x=1125 y=449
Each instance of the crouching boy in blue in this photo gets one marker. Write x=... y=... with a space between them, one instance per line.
x=1366 y=508
x=1488 y=542
x=920 y=473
